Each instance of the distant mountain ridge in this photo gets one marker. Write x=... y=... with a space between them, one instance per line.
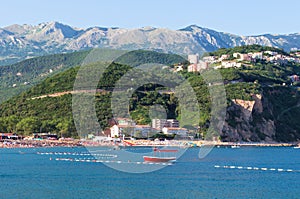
x=23 y=41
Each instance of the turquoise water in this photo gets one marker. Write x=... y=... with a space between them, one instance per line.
x=26 y=174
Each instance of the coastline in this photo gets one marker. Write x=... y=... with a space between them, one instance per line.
x=133 y=143
x=37 y=143
x=200 y=143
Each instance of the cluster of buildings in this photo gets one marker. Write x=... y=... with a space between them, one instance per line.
x=125 y=127
x=195 y=64
x=237 y=59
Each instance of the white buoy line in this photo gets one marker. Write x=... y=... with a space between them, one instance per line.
x=94 y=158
x=255 y=168
x=102 y=155
x=108 y=161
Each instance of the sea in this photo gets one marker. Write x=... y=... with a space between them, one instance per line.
x=65 y=172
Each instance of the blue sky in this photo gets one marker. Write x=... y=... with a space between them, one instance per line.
x=233 y=16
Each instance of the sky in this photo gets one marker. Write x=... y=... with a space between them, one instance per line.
x=232 y=16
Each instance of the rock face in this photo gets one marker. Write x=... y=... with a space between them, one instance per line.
x=23 y=41
x=245 y=121
x=246 y=107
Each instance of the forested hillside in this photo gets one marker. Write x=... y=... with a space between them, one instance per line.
x=261 y=97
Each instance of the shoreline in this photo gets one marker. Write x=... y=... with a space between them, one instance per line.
x=133 y=143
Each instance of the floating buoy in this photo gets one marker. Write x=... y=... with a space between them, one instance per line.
x=255 y=168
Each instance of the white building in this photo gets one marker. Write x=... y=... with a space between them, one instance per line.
x=210 y=59
x=270 y=52
x=158 y=123
x=230 y=64
x=114 y=131
x=193 y=59
x=223 y=57
x=236 y=55
x=257 y=55
x=179 y=68
x=172 y=123
x=176 y=131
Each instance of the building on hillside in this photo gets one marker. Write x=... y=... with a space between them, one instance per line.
x=192 y=68
x=257 y=55
x=122 y=130
x=270 y=53
x=198 y=67
x=230 y=64
x=179 y=68
x=202 y=65
x=193 y=59
x=210 y=59
x=236 y=55
x=114 y=131
x=224 y=57
x=158 y=123
x=172 y=123
x=138 y=131
x=244 y=57
x=143 y=131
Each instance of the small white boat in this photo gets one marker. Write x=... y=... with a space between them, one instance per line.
x=235 y=146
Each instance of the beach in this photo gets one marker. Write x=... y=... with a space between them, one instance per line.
x=8 y=143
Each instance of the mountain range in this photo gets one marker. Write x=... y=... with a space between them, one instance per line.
x=19 y=42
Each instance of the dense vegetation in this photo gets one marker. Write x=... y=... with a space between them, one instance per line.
x=138 y=57
x=20 y=76
x=245 y=49
x=55 y=113
x=24 y=115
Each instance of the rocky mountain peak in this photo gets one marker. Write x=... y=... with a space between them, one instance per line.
x=5 y=33
x=55 y=37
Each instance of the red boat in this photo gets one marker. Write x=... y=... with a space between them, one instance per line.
x=160 y=159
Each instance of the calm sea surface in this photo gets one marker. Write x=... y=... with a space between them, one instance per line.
x=247 y=172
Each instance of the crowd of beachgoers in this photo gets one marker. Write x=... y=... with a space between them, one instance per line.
x=36 y=143
x=7 y=143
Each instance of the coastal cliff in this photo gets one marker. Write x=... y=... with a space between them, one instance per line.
x=245 y=121
x=257 y=120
